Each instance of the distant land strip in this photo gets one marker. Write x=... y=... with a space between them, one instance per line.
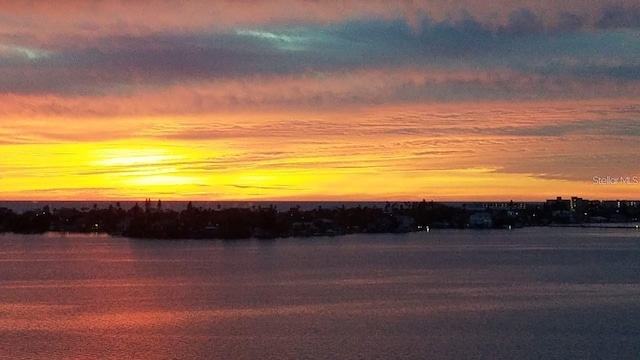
x=153 y=220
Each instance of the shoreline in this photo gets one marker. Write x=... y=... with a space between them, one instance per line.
x=155 y=221
x=611 y=226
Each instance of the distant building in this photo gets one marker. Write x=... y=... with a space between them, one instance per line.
x=481 y=220
x=559 y=204
x=612 y=204
x=578 y=204
x=564 y=216
x=496 y=205
x=593 y=204
x=505 y=205
x=618 y=204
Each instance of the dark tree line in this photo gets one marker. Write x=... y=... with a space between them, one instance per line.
x=153 y=221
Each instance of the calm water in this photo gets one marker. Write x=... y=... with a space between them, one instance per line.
x=525 y=294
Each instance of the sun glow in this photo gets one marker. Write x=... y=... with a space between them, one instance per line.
x=132 y=157
x=151 y=169
x=263 y=156
x=162 y=180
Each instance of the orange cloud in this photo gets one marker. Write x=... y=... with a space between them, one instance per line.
x=301 y=93
x=242 y=100
x=499 y=150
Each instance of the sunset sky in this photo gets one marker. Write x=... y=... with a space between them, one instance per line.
x=319 y=100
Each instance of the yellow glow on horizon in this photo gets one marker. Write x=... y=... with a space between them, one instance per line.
x=162 y=180
x=321 y=157
x=133 y=160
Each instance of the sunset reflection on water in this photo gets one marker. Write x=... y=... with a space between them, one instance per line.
x=439 y=295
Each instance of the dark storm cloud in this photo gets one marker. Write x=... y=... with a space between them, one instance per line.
x=618 y=16
x=524 y=21
x=570 y=22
